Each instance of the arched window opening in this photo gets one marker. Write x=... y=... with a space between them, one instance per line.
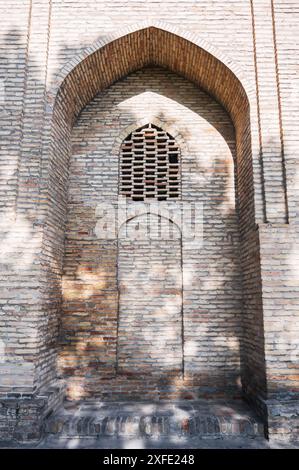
x=150 y=165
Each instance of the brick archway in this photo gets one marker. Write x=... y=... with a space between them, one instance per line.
x=99 y=67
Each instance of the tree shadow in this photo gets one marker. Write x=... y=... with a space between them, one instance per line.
x=90 y=317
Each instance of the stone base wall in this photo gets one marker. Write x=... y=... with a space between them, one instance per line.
x=22 y=415
x=283 y=420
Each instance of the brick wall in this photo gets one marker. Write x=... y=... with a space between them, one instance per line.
x=56 y=57
x=150 y=340
x=212 y=287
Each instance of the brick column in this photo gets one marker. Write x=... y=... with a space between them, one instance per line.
x=277 y=239
x=20 y=369
x=27 y=230
x=279 y=256
x=268 y=102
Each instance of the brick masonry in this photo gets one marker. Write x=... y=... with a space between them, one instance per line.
x=145 y=271
x=60 y=58
x=214 y=419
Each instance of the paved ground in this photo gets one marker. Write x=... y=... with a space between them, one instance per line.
x=131 y=443
x=178 y=443
x=202 y=424
x=171 y=420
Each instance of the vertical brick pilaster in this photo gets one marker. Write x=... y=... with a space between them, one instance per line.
x=34 y=106
x=24 y=304
x=271 y=145
x=279 y=260
x=13 y=46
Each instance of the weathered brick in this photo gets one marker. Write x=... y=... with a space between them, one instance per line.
x=69 y=98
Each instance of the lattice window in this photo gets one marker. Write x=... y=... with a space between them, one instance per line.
x=150 y=165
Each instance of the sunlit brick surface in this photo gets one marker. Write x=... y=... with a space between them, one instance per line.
x=124 y=301
x=77 y=78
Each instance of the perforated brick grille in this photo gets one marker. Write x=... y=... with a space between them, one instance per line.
x=150 y=165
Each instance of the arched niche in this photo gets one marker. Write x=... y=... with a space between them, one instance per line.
x=150 y=308
x=96 y=69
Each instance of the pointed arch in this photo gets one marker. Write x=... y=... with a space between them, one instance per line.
x=147 y=43
x=152 y=213
x=111 y=59
x=170 y=128
x=114 y=57
x=149 y=164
